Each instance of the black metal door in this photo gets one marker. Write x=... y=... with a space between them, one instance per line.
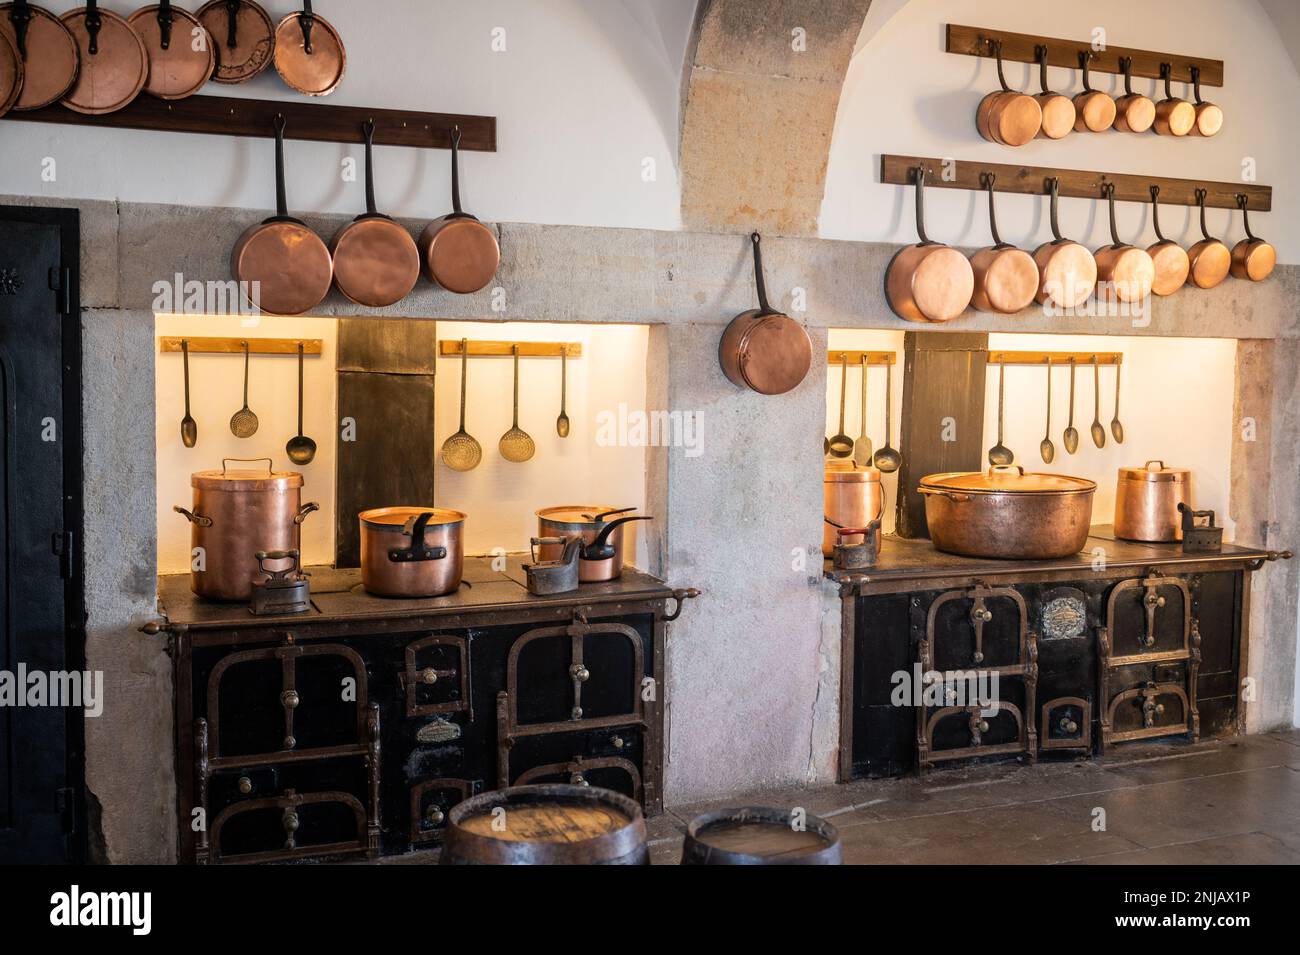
x=41 y=618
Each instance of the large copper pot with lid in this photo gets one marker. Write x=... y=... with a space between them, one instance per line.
x=1006 y=513
x=1147 y=499
x=589 y=522
x=237 y=513
x=851 y=497
x=412 y=551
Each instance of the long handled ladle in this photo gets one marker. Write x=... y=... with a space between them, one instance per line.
x=1045 y=447
x=1000 y=455
x=301 y=449
x=1098 y=432
x=1071 y=437
x=1116 y=428
x=841 y=445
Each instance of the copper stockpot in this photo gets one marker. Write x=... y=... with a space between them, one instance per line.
x=1007 y=513
x=1174 y=116
x=243 y=35
x=176 y=68
x=1134 y=113
x=928 y=282
x=114 y=62
x=376 y=262
x=309 y=54
x=1008 y=116
x=1006 y=278
x=1209 y=259
x=1067 y=272
x=1057 y=109
x=411 y=551
x=290 y=263
x=1124 y=272
x=1094 y=110
x=851 y=497
x=763 y=349
x=1169 y=258
x=587 y=522
x=236 y=515
x=48 y=51
x=1252 y=258
x=459 y=252
x=1209 y=118
x=1147 y=499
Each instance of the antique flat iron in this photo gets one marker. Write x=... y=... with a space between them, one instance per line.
x=554 y=576
x=847 y=556
x=1200 y=538
x=284 y=591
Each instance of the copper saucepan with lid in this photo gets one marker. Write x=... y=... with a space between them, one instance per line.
x=1168 y=257
x=851 y=497
x=182 y=54
x=1147 y=499
x=243 y=35
x=1134 y=112
x=309 y=54
x=1094 y=110
x=1252 y=258
x=1006 y=116
x=1124 y=272
x=1067 y=272
x=1006 y=278
x=411 y=551
x=590 y=523
x=47 y=51
x=1057 y=108
x=928 y=282
x=459 y=252
x=763 y=349
x=1209 y=259
x=114 y=62
x=1174 y=116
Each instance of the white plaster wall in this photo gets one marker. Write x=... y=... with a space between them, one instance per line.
x=904 y=94
x=583 y=93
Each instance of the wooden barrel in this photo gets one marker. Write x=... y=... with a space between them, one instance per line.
x=755 y=835
x=546 y=825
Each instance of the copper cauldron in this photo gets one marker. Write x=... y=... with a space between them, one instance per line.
x=411 y=551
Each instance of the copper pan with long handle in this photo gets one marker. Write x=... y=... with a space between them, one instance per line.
x=243 y=35
x=1124 y=272
x=11 y=74
x=1252 y=257
x=1007 y=116
x=1067 y=272
x=764 y=349
x=114 y=62
x=1209 y=118
x=180 y=50
x=1134 y=112
x=1209 y=259
x=1168 y=257
x=1174 y=116
x=458 y=252
x=49 y=54
x=1094 y=110
x=1057 y=108
x=1006 y=278
x=928 y=282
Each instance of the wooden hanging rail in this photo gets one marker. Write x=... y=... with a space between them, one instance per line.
x=451 y=346
x=235 y=346
x=835 y=356
x=1020 y=48
x=228 y=116
x=1041 y=358
x=1073 y=183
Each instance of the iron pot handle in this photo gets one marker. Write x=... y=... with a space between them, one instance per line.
x=417 y=551
x=193 y=518
x=304 y=511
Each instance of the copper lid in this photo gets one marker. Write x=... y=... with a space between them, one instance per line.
x=1154 y=471
x=1010 y=479
x=180 y=70
x=846 y=472
x=254 y=39
x=775 y=354
x=245 y=479
x=319 y=72
x=11 y=74
x=396 y=518
x=50 y=66
x=582 y=515
x=111 y=78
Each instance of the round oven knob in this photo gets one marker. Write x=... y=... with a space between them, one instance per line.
x=245 y=785
x=289 y=698
x=580 y=673
x=617 y=742
x=984 y=726
x=1068 y=725
x=429 y=675
x=290 y=821
x=436 y=816
x=577 y=779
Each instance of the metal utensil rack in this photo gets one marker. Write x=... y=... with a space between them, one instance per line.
x=235 y=346
x=1040 y=358
x=493 y=349
x=835 y=356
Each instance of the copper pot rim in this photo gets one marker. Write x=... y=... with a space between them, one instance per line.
x=193 y=20
x=837 y=473
x=286 y=71
x=1010 y=480
x=244 y=479
x=95 y=108
x=393 y=518
x=70 y=80
x=758 y=323
x=552 y=512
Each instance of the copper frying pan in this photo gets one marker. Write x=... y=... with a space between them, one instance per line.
x=762 y=348
x=114 y=63
x=1134 y=113
x=309 y=54
x=928 y=282
x=11 y=74
x=459 y=253
x=1124 y=272
x=47 y=49
x=288 y=261
x=177 y=68
x=1067 y=272
x=1057 y=109
x=1094 y=110
x=1006 y=278
x=1169 y=258
x=376 y=262
x=1252 y=258
x=1209 y=258
x=243 y=35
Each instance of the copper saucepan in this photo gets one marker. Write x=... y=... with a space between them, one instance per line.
x=603 y=549
x=928 y=282
x=1067 y=272
x=1252 y=258
x=459 y=253
x=1007 y=116
x=178 y=64
x=412 y=551
x=376 y=262
x=1094 y=110
x=1134 y=112
x=309 y=54
x=290 y=264
x=48 y=52
x=763 y=349
x=243 y=35
x=1209 y=118
x=1168 y=257
x=1006 y=278
x=11 y=74
x=1209 y=259
x=1057 y=109
x=114 y=62
x=1174 y=116
x=1124 y=272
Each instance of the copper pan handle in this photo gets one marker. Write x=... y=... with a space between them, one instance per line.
x=304 y=511
x=192 y=517
x=1007 y=467
x=950 y=495
x=681 y=596
x=1148 y=467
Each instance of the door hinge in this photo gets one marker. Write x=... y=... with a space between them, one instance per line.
x=61 y=285
x=65 y=803
x=62 y=543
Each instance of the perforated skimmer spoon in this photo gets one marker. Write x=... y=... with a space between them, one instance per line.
x=461 y=452
x=515 y=444
x=243 y=423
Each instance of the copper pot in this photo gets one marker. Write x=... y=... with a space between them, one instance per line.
x=114 y=62
x=1067 y=272
x=1209 y=118
x=589 y=523
x=851 y=497
x=309 y=54
x=1147 y=499
x=1134 y=113
x=1007 y=513
x=1174 y=116
x=292 y=267
x=237 y=514
x=376 y=262
x=1006 y=278
x=1209 y=259
x=176 y=68
x=243 y=35
x=48 y=52
x=928 y=282
x=763 y=349
x=1094 y=110
x=459 y=253
x=411 y=551
x=1008 y=116
x=1169 y=258
x=1057 y=109
x=1124 y=272
x=1252 y=258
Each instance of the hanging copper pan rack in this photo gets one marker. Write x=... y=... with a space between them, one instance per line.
x=487 y=349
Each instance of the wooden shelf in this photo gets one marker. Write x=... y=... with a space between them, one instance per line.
x=1041 y=358
x=504 y=349
x=1072 y=183
x=235 y=346
x=834 y=357
x=1020 y=48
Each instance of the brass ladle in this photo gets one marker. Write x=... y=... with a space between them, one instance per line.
x=1045 y=447
x=862 y=446
x=562 y=422
x=1098 y=432
x=189 y=428
x=1116 y=428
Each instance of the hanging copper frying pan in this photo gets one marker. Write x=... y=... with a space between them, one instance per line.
x=309 y=54
x=288 y=260
x=376 y=262
x=243 y=38
x=763 y=349
x=1209 y=118
x=47 y=49
x=1134 y=113
x=928 y=282
x=459 y=253
x=1057 y=109
x=11 y=74
x=1067 y=272
x=1006 y=278
x=1169 y=258
x=1124 y=272
x=1094 y=110
x=114 y=63
x=1209 y=258
x=1252 y=258
x=179 y=64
